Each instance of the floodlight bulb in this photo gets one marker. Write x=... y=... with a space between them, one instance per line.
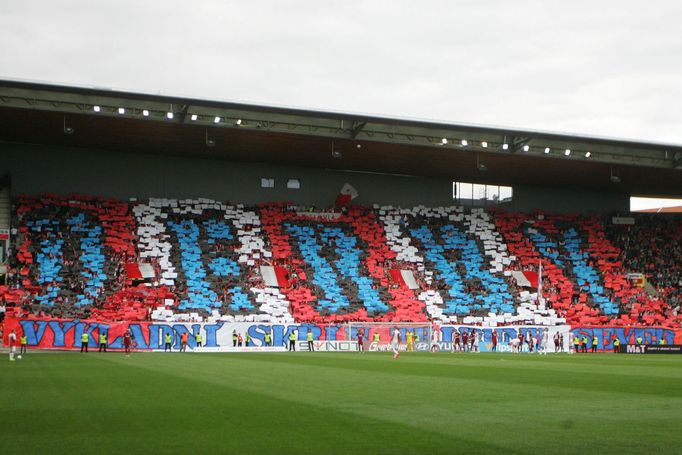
x=484 y=144
x=567 y=152
x=588 y=154
x=526 y=148
x=194 y=117
x=121 y=110
x=216 y=120
x=238 y=122
x=145 y=113
x=96 y=108
x=505 y=146
x=546 y=149
x=464 y=143
x=169 y=115
x=444 y=141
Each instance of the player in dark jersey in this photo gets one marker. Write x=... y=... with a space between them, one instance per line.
x=361 y=345
x=127 y=342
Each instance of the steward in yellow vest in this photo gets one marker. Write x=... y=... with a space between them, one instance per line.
x=102 y=342
x=309 y=339
x=24 y=342
x=85 y=339
x=292 y=341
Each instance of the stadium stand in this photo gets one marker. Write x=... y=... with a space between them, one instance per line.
x=74 y=256
x=653 y=246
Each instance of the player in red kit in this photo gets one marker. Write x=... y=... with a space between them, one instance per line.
x=127 y=342
x=361 y=345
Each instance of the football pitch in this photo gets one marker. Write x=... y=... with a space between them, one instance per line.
x=341 y=403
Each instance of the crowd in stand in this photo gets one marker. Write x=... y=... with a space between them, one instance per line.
x=48 y=267
x=653 y=246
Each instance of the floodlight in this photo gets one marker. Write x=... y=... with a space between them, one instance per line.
x=464 y=143
x=588 y=154
x=216 y=120
x=444 y=141
x=121 y=110
x=567 y=152
x=96 y=108
x=194 y=117
x=484 y=144
x=526 y=148
x=145 y=112
x=505 y=146
x=169 y=115
x=546 y=150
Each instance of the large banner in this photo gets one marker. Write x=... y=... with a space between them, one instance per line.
x=218 y=337
x=66 y=334
x=627 y=335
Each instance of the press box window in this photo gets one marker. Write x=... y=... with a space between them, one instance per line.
x=480 y=194
x=267 y=183
x=293 y=184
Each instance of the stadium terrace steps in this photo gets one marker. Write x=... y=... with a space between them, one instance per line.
x=442 y=264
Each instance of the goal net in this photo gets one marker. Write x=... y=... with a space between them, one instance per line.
x=377 y=336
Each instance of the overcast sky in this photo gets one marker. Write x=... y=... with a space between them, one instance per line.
x=610 y=68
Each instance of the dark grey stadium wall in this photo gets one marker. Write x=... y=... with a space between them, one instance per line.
x=35 y=169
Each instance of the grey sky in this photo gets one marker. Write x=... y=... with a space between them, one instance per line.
x=609 y=68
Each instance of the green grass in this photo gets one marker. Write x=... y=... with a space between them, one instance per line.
x=318 y=403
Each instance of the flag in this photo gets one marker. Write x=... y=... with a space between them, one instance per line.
x=139 y=271
x=275 y=277
x=637 y=279
x=347 y=194
x=526 y=279
x=405 y=278
x=349 y=190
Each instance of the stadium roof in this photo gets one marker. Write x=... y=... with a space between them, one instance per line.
x=47 y=114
